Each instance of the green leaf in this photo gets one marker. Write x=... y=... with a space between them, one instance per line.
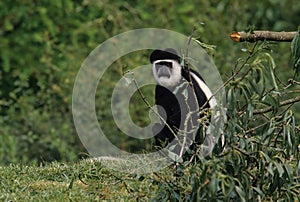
x=256 y=87
x=241 y=193
x=260 y=74
x=298 y=166
x=213 y=183
x=176 y=195
x=271 y=70
x=266 y=157
x=279 y=168
x=295 y=51
x=270 y=169
x=258 y=190
x=289 y=171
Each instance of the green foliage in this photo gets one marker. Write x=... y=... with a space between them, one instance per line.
x=261 y=157
x=295 y=49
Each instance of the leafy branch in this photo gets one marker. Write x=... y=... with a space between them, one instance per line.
x=254 y=36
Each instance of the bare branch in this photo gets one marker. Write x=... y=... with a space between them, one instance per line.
x=281 y=104
x=232 y=77
x=262 y=35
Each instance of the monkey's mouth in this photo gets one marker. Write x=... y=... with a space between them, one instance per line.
x=164 y=75
x=163 y=72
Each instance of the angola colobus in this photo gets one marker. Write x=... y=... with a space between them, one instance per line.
x=181 y=94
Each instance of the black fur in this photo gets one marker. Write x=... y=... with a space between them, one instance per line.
x=170 y=103
x=168 y=53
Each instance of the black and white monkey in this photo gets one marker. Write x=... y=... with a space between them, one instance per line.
x=180 y=95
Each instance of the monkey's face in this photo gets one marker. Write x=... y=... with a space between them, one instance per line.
x=167 y=73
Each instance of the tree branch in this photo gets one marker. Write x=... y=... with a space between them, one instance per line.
x=283 y=103
x=262 y=35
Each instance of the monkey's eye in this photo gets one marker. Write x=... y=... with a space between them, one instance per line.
x=169 y=64
x=164 y=63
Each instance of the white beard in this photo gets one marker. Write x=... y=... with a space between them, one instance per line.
x=175 y=77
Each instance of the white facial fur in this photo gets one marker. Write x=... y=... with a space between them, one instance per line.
x=174 y=78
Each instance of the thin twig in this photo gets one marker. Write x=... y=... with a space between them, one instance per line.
x=281 y=104
x=188 y=118
x=149 y=106
x=187 y=55
x=251 y=130
x=252 y=52
x=241 y=151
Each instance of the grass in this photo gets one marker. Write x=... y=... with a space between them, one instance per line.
x=227 y=177
x=81 y=181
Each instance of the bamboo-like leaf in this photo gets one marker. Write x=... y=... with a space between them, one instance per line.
x=206 y=46
x=287 y=134
x=176 y=195
x=270 y=169
x=241 y=193
x=260 y=74
x=289 y=171
x=258 y=190
x=271 y=70
x=213 y=183
x=295 y=51
x=298 y=167
x=266 y=157
x=256 y=87
x=279 y=168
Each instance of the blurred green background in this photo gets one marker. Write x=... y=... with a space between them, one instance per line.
x=44 y=43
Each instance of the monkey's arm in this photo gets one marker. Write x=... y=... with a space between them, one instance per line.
x=169 y=110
